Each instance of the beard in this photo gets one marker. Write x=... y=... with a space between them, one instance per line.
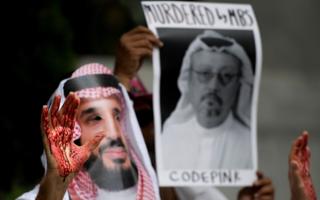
x=112 y=179
x=210 y=104
x=209 y=109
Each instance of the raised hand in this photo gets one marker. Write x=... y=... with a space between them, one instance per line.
x=299 y=170
x=262 y=189
x=57 y=125
x=133 y=47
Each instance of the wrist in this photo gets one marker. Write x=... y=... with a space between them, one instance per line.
x=124 y=80
x=53 y=186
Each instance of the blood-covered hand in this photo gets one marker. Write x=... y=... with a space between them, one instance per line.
x=57 y=125
x=299 y=170
x=132 y=48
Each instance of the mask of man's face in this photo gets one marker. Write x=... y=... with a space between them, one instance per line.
x=214 y=85
x=111 y=159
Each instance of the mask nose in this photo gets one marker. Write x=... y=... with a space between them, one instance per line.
x=112 y=129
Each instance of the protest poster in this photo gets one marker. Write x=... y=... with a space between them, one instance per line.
x=205 y=92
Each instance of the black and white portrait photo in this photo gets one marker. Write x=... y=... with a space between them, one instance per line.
x=209 y=127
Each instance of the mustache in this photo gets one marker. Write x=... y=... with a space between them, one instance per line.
x=212 y=95
x=111 y=143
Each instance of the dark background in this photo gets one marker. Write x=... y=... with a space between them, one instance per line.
x=44 y=40
x=171 y=56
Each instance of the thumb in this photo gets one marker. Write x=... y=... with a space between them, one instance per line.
x=259 y=174
x=93 y=143
x=295 y=172
x=294 y=165
x=44 y=125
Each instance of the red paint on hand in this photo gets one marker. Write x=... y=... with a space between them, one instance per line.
x=58 y=126
x=300 y=160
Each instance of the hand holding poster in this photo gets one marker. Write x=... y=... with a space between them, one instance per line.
x=205 y=92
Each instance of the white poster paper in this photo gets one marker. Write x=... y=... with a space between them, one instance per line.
x=206 y=83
